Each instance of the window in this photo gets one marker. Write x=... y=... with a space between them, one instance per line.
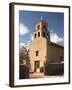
x=61 y=58
x=43 y=34
x=47 y=35
x=37 y=53
x=44 y=26
x=38 y=27
x=38 y=34
x=35 y=35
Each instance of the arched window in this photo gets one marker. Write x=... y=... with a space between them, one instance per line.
x=38 y=26
x=43 y=34
x=47 y=35
x=35 y=35
x=37 y=53
x=38 y=34
x=44 y=26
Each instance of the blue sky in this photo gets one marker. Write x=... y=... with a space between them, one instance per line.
x=28 y=19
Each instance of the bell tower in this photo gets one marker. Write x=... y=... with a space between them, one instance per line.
x=41 y=28
x=38 y=48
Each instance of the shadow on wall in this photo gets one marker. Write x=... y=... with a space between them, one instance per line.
x=23 y=72
x=54 y=69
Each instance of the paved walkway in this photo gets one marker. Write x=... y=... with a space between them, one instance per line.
x=36 y=75
x=41 y=75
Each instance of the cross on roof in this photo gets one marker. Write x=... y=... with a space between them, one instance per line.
x=41 y=18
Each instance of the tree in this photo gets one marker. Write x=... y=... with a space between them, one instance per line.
x=23 y=56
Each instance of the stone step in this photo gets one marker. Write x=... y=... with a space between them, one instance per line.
x=36 y=75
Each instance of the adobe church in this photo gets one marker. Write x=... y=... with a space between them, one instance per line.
x=42 y=50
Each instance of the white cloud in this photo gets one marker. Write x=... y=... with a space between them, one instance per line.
x=31 y=37
x=56 y=39
x=22 y=44
x=23 y=29
x=51 y=31
x=26 y=45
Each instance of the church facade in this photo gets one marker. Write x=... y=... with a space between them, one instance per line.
x=42 y=50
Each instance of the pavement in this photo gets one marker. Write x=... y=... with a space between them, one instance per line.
x=36 y=75
x=41 y=75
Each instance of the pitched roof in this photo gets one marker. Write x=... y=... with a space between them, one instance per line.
x=52 y=43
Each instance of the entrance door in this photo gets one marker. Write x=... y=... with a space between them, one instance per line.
x=37 y=66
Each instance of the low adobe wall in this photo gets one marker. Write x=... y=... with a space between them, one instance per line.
x=23 y=72
x=54 y=69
